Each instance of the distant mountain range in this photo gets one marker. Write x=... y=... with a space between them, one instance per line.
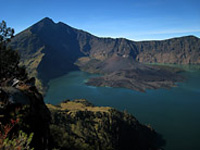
x=49 y=50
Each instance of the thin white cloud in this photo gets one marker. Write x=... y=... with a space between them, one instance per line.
x=169 y=32
x=152 y=35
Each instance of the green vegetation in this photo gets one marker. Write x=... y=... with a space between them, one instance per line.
x=10 y=140
x=78 y=125
x=20 y=142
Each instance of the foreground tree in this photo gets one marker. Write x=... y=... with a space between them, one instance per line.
x=9 y=59
x=5 y=33
x=11 y=135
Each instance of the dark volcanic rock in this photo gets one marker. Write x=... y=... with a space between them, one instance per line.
x=125 y=72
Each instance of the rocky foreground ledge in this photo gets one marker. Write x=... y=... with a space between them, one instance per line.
x=80 y=125
x=22 y=107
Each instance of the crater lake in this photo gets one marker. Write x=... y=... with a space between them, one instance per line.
x=174 y=113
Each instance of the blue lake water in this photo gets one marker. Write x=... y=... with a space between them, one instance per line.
x=174 y=113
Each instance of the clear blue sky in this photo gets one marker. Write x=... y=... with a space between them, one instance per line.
x=132 y=19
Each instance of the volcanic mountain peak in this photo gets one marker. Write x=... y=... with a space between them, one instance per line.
x=51 y=49
x=46 y=20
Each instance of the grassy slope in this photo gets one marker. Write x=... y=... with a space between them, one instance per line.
x=82 y=126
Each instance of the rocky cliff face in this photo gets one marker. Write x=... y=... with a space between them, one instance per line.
x=82 y=126
x=185 y=50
